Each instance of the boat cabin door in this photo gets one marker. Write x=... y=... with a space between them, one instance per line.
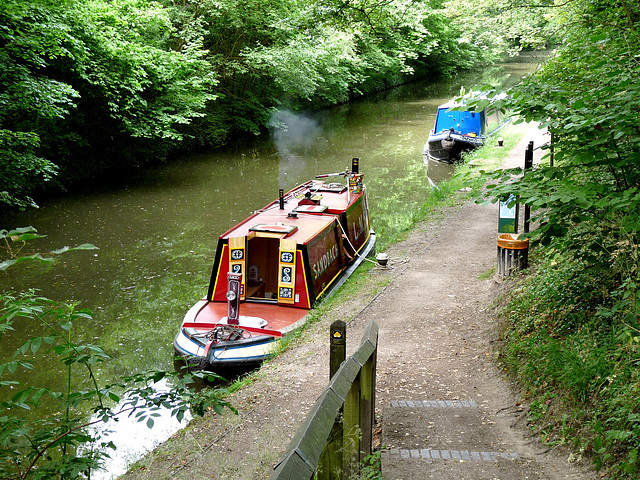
x=270 y=268
x=267 y=263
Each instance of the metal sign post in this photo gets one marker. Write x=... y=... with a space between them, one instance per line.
x=508 y=216
x=528 y=164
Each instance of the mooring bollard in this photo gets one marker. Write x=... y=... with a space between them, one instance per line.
x=513 y=254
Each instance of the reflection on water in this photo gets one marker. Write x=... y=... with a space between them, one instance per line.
x=157 y=233
x=438 y=171
x=132 y=437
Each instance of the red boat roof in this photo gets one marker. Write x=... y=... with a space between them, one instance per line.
x=299 y=222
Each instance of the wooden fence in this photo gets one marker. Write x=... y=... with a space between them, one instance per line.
x=336 y=434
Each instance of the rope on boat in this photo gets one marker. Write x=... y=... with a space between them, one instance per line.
x=352 y=247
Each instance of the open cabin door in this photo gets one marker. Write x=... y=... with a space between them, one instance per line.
x=262 y=267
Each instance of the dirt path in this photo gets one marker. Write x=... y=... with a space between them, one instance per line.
x=446 y=412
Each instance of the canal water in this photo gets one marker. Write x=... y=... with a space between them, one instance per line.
x=157 y=231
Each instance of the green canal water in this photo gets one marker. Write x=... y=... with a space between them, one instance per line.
x=157 y=232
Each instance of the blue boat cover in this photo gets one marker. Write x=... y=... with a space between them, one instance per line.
x=464 y=122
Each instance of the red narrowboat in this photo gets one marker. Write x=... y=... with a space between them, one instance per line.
x=271 y=269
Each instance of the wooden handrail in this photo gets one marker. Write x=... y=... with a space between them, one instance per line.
x=337 y=433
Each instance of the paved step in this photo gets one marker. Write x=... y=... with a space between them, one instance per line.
x=428 y=454
x=448 y=439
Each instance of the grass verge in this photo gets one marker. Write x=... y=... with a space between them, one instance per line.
x=577 y=362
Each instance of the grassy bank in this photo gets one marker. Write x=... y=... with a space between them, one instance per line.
x=570 y=338
x=575 y=350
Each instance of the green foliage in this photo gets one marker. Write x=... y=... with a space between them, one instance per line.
x=595 y=177
x=30 y=101
x=370 y=468
x=500 y=27
x=101 y=86
x=65 y=445
x=81 y=78
x=562 y=342
x=573 y=328
x=13 y=242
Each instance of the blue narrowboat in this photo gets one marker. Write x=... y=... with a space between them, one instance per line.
x=458 y=130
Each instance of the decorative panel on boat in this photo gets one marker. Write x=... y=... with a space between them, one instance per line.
x=287 y=271
x=237 y=257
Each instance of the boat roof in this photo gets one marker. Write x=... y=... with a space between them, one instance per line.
x=298 y=222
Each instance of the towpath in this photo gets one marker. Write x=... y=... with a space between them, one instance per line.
x=445 y=411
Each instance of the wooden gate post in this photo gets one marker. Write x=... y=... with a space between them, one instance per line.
x=331 y=461
x=337 y=346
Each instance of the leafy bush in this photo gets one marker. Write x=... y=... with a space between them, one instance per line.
x=38 y=446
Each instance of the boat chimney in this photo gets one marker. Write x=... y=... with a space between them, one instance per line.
x=233 y=298
x=281 y=197
x=355 y=165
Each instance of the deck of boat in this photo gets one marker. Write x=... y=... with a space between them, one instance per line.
x=279 y=317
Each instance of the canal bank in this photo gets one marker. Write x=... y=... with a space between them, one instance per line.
x=444 y=409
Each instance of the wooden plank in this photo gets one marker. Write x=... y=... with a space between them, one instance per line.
x=344 y=377
x=371 y=333
x=311 y=437
x=351 y=431
x=362 y=355
x=330 y=464
x=293 y=467
x=367 y=404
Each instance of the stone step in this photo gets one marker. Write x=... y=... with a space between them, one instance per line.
x=447 y=439
x=428 y=454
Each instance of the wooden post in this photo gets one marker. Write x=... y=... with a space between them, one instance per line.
x=331 y=461
x=367 y=405
x=337 y=346
x=351 y=431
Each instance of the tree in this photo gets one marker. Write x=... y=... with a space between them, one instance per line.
x=31 y=102
x=87 y=86
x=586 y=205
x=595 y=179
